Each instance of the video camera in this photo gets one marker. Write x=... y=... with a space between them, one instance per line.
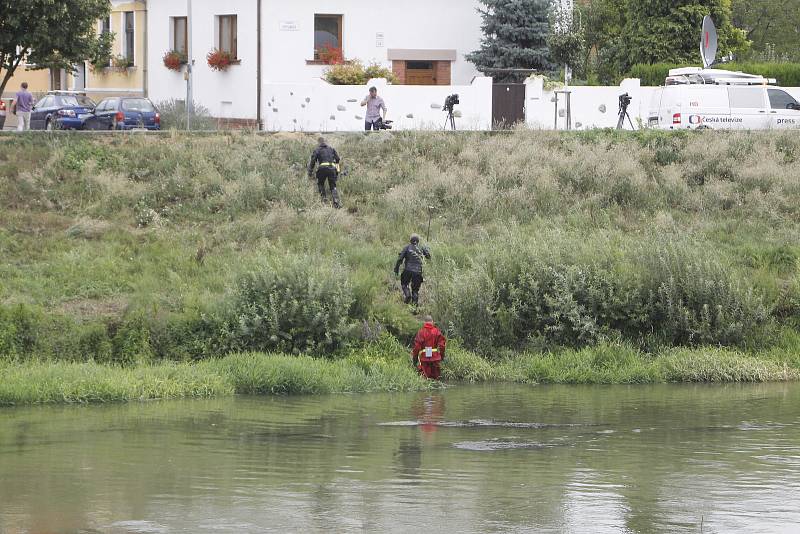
x=624 y=101
x=382 y=124
x=450 y=102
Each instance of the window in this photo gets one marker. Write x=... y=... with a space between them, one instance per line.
x=746 y=97
x=105 y=25
x=327 y=32
x=111 y=104
x=180 y=37
x=781 y=99
x=129 y=50
x=227 y=34
x=48 y=102
x=137 y=104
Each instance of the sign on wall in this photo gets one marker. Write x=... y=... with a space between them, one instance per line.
x=379 y=40
x=289 y=26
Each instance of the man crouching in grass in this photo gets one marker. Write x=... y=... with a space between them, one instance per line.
x=429 y=347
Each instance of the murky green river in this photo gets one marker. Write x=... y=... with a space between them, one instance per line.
x=469 y=459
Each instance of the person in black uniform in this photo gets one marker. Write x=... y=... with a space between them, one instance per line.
x=413 y=255
x=328 y=170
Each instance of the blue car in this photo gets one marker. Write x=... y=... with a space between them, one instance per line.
x=124 y=113
x=61 y=110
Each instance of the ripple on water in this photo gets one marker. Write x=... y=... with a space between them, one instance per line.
x=482 y=423
x=503 y=445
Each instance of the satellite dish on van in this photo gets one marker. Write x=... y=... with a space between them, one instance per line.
x=708 y=42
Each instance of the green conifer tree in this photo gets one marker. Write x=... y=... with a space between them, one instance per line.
x=515 y=37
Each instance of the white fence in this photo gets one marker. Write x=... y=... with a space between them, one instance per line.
x=329 y=108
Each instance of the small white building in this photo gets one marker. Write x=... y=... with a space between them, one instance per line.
x=422 y=41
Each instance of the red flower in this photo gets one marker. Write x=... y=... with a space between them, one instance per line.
x=219 y=59
x=330 y=55
x=174 y=60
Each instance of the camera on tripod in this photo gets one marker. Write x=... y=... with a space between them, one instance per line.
x=451 y=102
x=624 y=100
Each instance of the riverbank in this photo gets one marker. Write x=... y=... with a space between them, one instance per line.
x=36 y=382
x=584 y=257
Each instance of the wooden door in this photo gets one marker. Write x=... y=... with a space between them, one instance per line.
x=420 y=73
x=508 y=105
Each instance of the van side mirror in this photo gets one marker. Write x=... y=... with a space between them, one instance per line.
x=793 y=105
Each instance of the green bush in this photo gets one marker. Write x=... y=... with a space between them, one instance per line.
x=295 y=304
x=355 y=73
x=786 y=74
x=665 y=293
x=173 y=116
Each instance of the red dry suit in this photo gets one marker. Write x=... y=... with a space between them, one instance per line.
x=429 y=346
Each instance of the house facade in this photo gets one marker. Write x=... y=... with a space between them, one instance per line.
x=126 y=73
x=277 y=42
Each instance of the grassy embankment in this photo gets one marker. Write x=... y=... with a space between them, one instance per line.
x=131 y=264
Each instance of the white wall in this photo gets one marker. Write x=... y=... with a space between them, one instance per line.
x=591 y=107
x=229 y=94
x=322 y=107
x=416 y=24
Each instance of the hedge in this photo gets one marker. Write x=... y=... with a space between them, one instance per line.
x=786 y=74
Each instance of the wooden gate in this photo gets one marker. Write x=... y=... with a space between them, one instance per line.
x=508 y=105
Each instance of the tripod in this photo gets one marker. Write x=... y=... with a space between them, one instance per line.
x=450 y=119
x=623 y=113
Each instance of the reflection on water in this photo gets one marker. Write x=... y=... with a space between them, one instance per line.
x=471 y=459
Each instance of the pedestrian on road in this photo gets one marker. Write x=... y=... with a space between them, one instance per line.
x=22 y=107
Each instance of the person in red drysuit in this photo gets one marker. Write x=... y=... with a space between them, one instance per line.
x=429 y=347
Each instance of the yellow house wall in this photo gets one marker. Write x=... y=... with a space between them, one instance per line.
x=38 y=81
x=132 y=79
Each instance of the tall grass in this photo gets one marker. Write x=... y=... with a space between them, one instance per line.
x=132 y=249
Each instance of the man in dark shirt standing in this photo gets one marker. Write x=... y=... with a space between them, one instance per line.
x=328 y=170
x=413 y=255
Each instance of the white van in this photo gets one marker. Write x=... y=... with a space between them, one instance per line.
x=696 y=98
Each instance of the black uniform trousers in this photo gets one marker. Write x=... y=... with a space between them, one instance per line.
x=331 y=175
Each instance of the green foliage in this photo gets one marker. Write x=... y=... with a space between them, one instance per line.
x=566 y=39
x=624 y=33
x=296 y=304
x=64 y=33
x=515 y=37
x=530 y=297
x=786 y=74
x=173 y=116
x=354 y=72
x=772 y=27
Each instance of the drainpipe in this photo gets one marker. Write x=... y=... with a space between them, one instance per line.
x=144 y=54
x=258 y=69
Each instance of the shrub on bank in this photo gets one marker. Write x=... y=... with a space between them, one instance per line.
x=663 y=294
x=294 y=304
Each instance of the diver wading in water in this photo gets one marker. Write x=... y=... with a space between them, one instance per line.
x=413 y=256
x=428 y=352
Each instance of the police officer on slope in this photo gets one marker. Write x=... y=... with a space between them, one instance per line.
x=413 y=255
x=328 y=170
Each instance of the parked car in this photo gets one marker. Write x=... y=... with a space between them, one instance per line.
x=61 y=109
x=124 y=113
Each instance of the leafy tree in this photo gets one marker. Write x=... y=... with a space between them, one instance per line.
x=51 y=34
x=669 y=30
x=515 y=37
x=566 y=40
x=772 y=25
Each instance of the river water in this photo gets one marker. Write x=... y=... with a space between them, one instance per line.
x=468 y=459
